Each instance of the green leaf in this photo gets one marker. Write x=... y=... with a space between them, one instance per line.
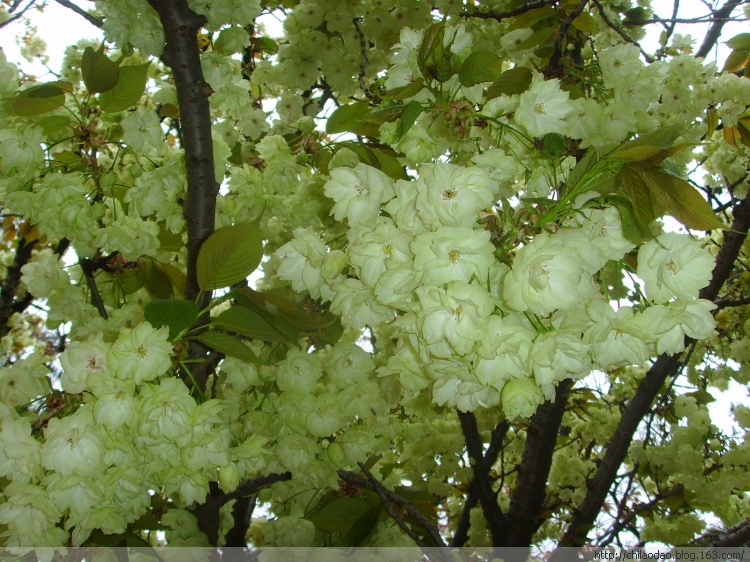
x=554 y=144
x=177 y=314
x=539 y=37
x=347 y=118
x=632 y=227
x=158 y=283
x=663 y=138
x=408 y=117
x=532 y=17
x=436 y=60
x=228 y=256
x=581 y=168
x=39 y=99
x=383 y=159
x=248 y=323
x=480 y=66
x=53 y=124
x=514 y=81
x=586 y=23
x=128 y=90
x=99 y=73
x=736 y=60
x=681 y=200
x=269 y=308
x=411 y=89
x=702 y=396
x=363 y=526
x=340 y=515
x=741 y=42
x=228 y=345
x=635 y=16
x=421 y=499
x=632 y=185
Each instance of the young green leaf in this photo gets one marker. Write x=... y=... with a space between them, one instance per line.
x=129 y=88
x=480 y=66
x=347 y=118
x=681 y=200
x=39 y=99
x=514 y=81
x=228 y=256
x=228 y=345
x=408 y=117
x=340 y=515
x=245 y=322
x=177 y=314
x=98 y=72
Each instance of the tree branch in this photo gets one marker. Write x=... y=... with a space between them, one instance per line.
x=554 y=62
x=734 y=536
x=481 y=482
x=255 y=485
x=96 y=299
x=522 y=519
x=81 y=12
x=620 y=32
x=665 y=366
x=12 y=281
x=388 y=497
x=713 y=33
x=181 y=54
x=517 y=11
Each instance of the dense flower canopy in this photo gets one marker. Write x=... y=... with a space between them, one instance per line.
x=500 y=263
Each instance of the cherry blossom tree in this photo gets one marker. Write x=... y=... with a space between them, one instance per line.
x=501 y=276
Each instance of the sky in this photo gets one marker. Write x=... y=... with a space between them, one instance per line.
x=60 y=26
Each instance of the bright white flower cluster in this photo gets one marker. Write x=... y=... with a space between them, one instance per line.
x=482 y=334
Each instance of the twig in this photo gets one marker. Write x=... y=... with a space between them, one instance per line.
x=388 y=497
x=12 y=281
x=665 y=366
x=81 y=12
x=96 y=298
x=363 y=63
x=649 y=59
x=726 y=303
x=554 y=61
x=713 y=33
x=255 y=485
x=517 y=11
x=481 y=483
x=19 y=15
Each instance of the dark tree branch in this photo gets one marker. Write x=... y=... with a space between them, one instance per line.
x=19 y=15
x=490 y=457
x=481 y=483
x=81 y=12
x=522 y=519
x=12 y=281
x=734 y=536
x=665 y=366
x=517 y=11
x=254 y=485
x=96 y=298
x=462 y=529
x=620 y=32
x=181 y=54
x=726 y=303
x=713 y=33
x=235 y=537
x=553 y=68
x=389 y=497
x=363 y=63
